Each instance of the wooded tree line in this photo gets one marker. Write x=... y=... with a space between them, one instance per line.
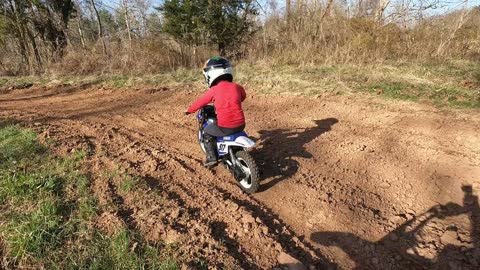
x=86 y=36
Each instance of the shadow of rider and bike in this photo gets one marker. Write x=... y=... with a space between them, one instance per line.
x=401 y=253
x=277 y=164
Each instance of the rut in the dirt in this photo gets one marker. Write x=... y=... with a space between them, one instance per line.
x=219 y=218
x=347 y=182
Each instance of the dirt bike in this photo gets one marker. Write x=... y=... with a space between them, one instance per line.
x=232 y=152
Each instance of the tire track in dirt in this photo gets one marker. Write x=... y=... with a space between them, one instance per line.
x=226 y=222
x=364 y=167
x=198 y=228
x=207 y=198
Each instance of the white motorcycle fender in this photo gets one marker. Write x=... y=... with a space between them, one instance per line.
x=245 y=142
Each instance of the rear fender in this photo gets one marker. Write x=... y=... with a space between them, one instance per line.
x=240 y=142
x=245 y=142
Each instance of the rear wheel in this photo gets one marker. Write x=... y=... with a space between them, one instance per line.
x=246 y=163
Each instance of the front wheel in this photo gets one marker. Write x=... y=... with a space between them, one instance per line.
x=246 y=163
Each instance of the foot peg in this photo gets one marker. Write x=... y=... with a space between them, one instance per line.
x=210 y=163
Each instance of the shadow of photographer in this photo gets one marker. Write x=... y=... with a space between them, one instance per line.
x=402 y=248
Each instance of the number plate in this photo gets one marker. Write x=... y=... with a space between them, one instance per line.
x=221 y=147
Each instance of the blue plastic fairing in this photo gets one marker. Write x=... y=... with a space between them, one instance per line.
x=231 y=138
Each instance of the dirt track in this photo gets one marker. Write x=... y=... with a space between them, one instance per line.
x=348 y=181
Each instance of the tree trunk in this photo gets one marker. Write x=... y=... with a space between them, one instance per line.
x=319 y=25
x=360 y=8
x=22 y=42
x=100 y=27
x=327 y=10
x=20 y=30
x=79 y=26
x=299 y=5
x=35 y=50
x=288 y=11
x=23 y=45
x=299 y=18
x=80 y=32
x=127 y=23
x=381 y=6
x=459 y=25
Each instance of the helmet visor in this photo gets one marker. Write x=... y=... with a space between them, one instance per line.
x=216 y=63
x=215 y=66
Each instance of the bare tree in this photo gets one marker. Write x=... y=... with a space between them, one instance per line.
x=142 y=7
x=299 y=5
x=288 y=10
x=460 y=22
x=127 y=22
x=79 y=25
x=100 y=27
x=19 y=28
x=381 y=6
x=327 y=10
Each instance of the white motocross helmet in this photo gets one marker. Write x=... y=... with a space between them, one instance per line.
x=216 y=69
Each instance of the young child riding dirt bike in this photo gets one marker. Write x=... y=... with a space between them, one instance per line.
x=227 y=99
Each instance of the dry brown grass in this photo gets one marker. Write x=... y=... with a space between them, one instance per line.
x=145 y=56
x=306 y=39
x=340 y=39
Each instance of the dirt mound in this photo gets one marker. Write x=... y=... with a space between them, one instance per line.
x=348 y=182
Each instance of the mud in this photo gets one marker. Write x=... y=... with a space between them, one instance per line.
x=349 y=182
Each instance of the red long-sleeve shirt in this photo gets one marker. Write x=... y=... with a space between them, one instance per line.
x=227 y=98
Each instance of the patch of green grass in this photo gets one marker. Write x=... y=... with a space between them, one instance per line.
x=454 y=83
x=17 y=145
x=3 y=82
x=35 y=233
x=201 y=263
x=20 y=81
x=119 y=81
x=6 y=82
x=440 y=95
x=80 y=80
x=451 y=83
x=128 y=183
x=47 y=214
x=18 y=186
x=117 y=253
x=398 y=90
x=455 y=96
